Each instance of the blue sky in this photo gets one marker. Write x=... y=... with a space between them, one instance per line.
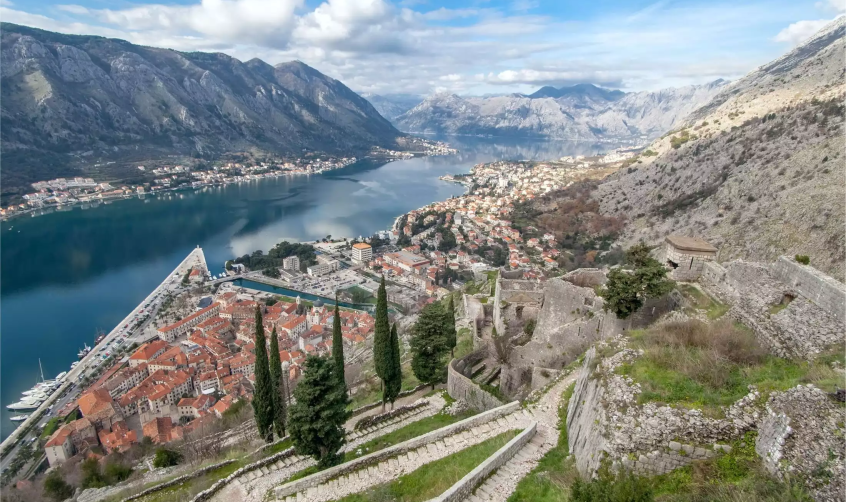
x=470 y=47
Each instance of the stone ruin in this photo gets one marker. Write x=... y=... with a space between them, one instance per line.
x=794 y=309
x=569 y=319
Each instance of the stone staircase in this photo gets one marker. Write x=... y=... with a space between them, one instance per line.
x=501 y=484
x=376 y=469
x=357 y=438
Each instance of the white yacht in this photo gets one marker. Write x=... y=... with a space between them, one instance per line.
x=18 y=418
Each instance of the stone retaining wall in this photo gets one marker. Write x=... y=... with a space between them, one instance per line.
x=821 y=289
x=465 y=486
x=179 y=480
x=393 y=451
x=605 y=421
x=367 y=407
x=465 y=389
x=209 y=492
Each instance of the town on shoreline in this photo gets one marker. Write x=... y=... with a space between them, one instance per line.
x=65 y=193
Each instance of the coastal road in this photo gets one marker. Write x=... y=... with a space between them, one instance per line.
x=93 y=359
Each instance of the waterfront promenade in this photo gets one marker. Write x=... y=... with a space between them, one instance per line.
x=92 y=360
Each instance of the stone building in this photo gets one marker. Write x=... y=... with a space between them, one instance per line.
x=516 y=302
x=684 y=256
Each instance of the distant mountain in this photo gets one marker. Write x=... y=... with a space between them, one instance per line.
x=68 y=95
x=758 y=171
x=580 y=112
x=392 y=106
x=578 y=90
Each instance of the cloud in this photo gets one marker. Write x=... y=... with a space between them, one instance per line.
x=237 y=21
x=800 y=31
x=408 y=46
x=832 y=6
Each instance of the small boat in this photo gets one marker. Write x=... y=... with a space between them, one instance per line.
x=18 y=418
x=61 y=376
x=84 y=351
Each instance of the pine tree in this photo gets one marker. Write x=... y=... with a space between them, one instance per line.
x=338 y=346
x=428 y=345
x=382 y=334
x=316 y=422
x=263 y=396
x=449 y=326
x=393 y=385
x=279 y=402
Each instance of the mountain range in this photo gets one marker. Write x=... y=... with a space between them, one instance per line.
x=758 y=171
x=579 y=112
x=71 y=96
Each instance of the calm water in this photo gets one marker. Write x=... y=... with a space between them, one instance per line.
x=67 y=274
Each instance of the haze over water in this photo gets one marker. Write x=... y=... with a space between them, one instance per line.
x=66 y=275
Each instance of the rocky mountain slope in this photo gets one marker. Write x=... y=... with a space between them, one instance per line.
x=758 y=171
x=67 y=94
x=392 y=106
x=582 y=112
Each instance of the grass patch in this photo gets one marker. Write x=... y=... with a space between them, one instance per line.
x=190 y=488
x=436 y=477
x=279 y=447
x=410 y=431
x=556 y=471
x=464 y=342
x=714 y=309
x=711 y=365
x=50 y=427
x=775 y=309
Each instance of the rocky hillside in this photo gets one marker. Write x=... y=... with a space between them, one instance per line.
x=65 y=95
x=392 y=106
x=582 y=112
x=758 y=171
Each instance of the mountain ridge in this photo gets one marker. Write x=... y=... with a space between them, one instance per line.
x=755 y=170
x=73 y=94
x=580 y=112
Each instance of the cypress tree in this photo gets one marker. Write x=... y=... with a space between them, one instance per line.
x=338 y=347
x=263 y=397
x=428 y=345
x=382 y=334
x=449 y=327
x=393 y=385
x=279 y=402
x=318 y=414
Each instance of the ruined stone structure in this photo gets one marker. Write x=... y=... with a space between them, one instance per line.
x=570 y=320
x=460 y=386
x=605 y=423
x=794 y=310
x=801 y=434
x=686 y=256
x=515 y=302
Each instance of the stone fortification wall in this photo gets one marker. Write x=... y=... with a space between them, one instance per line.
x=461 y=387
x=801 y=434
x=392 y=451
x=516 y=300
x=572 y=318
x=465 y=486
x=787 y=321
x=604 y=421
x=814 y=285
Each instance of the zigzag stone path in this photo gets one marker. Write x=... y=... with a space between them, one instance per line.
x=254 y=485
x=392 y=468
x=504 y=481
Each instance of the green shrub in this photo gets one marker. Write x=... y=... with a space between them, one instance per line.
x=56 y=487
x=803 y=259
x=166 y=458
x=609 y=488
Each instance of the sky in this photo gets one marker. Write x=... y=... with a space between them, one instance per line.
x=471 y=47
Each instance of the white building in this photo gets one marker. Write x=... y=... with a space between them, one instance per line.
x=291 y=263
x=362 y=253
x=323 y=268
